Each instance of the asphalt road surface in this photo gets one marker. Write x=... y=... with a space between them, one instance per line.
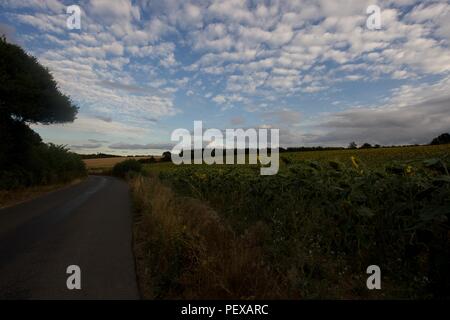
x=88 y=225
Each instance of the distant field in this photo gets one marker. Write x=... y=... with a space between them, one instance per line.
x=375 y=156
x=107 y=163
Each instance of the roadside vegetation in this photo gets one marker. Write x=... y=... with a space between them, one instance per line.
x=29 y=95
x=13 y=197
x=127 y=168
x=308 y=232
x=48 y=164
x=185 y=250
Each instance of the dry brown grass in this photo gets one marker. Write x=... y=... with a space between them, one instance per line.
x=98 y=165
x=185 y=251
x=10 y=198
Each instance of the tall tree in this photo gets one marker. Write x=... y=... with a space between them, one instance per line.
x=352 y=145
x=28 y=94
x=366 y=146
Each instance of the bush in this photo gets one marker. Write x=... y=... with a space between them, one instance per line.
x=442 y=139
x=147 y=160
x=122 y=169
x=166 y=156
x=47 y=164
x=366 y=146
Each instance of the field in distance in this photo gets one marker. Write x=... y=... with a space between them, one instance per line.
x=373 y=157
x=94 y=165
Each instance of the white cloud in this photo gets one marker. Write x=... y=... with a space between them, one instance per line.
x=53 y=6
x=413 y=114
x=219 y=99
x=133 y=56
x=117 y=11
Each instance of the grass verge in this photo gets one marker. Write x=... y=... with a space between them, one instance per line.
x=10 y=198
x=184 y=250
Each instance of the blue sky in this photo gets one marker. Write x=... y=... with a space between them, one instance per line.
x=140 y=69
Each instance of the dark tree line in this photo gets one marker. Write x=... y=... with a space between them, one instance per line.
x=28 y=95
x=442 y=139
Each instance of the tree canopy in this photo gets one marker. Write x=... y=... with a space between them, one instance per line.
x=352 y=145
x=366 y=146
x=442 y=139
x=28 y=92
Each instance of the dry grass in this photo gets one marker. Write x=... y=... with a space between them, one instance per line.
x=184 y=251
x=10 y=198
x=98 y=165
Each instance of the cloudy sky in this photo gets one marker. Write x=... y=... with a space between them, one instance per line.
x=138 y=69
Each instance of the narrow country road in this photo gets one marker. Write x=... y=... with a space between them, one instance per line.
x=88 y=225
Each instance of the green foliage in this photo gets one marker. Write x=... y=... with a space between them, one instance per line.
x=366 y=146
x=147 y=160
x=127 y=167
x=330 y=220
x=442 y=139
x=17 y=141
x=29 y=94
x=352 y=145
x=46 y=164
x=28 y=91
x=166 y=156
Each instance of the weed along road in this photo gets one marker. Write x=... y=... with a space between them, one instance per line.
x=78 y=237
